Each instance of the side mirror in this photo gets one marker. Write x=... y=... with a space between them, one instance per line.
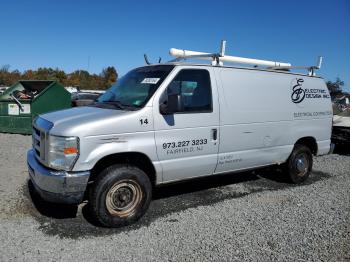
x=163 y=108
x=172 y=105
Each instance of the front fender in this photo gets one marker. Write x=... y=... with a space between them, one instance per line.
x=95 y=148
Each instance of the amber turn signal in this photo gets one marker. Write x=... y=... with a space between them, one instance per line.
x=70 y=150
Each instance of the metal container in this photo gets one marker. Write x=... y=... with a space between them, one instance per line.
x=25 y=100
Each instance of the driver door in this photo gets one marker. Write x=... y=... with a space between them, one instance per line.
x=187 y=141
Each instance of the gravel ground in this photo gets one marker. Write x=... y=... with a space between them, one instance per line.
x=239 y=217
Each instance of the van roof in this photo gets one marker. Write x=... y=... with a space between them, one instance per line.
x=235 y=67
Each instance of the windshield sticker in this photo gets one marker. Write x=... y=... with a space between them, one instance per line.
x=152 y=81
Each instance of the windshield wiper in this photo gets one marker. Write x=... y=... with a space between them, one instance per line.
x=117 y=104
x=123 y=106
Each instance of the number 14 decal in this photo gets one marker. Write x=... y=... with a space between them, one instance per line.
x=144 y=121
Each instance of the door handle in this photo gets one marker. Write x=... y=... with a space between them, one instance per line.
x=214 y=134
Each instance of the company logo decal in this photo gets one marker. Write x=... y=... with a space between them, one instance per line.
x=298 y=93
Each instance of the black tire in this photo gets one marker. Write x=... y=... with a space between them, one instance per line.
x=120 y=196
x=299 y=164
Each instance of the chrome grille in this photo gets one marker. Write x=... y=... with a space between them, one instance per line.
x=36 y=141
x=41 y=128
x=39 y=143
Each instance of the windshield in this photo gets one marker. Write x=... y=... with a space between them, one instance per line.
x=135 y=88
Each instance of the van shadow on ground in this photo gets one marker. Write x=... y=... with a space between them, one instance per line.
x=342 y=150
x=73 y=222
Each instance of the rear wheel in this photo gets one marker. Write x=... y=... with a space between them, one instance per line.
x=120 y=196
x=299 y=164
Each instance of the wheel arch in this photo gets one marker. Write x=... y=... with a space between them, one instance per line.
x=310 y=142
x=137 y=159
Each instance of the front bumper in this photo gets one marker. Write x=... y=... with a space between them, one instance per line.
x=57 y=186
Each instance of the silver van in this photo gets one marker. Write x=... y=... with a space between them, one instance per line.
x=170 y=122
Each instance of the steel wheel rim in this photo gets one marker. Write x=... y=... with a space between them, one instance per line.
x=123 y=198
x=302 y=164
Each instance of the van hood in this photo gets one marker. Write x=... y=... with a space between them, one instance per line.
x=79 y=120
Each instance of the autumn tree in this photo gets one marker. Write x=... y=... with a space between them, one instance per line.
x=60 y=76
x=8 y=77
x=335 y=88
x=109 y=76
x=79 y=78
x=28 y=74
x=4 y=75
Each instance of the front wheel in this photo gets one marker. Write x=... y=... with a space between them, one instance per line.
x=120 y=196
x=299 y=164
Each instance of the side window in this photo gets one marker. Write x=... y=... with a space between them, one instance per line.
x=194 y=88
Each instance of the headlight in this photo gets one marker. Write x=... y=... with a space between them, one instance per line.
x=63 y=152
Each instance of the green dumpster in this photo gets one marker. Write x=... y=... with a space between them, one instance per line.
x=23 y=101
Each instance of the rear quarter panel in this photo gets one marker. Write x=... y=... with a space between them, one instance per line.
x=312 y=111
x=260 y=123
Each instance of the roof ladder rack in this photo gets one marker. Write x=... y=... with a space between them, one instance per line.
x=218 y=59
x=310 y=69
